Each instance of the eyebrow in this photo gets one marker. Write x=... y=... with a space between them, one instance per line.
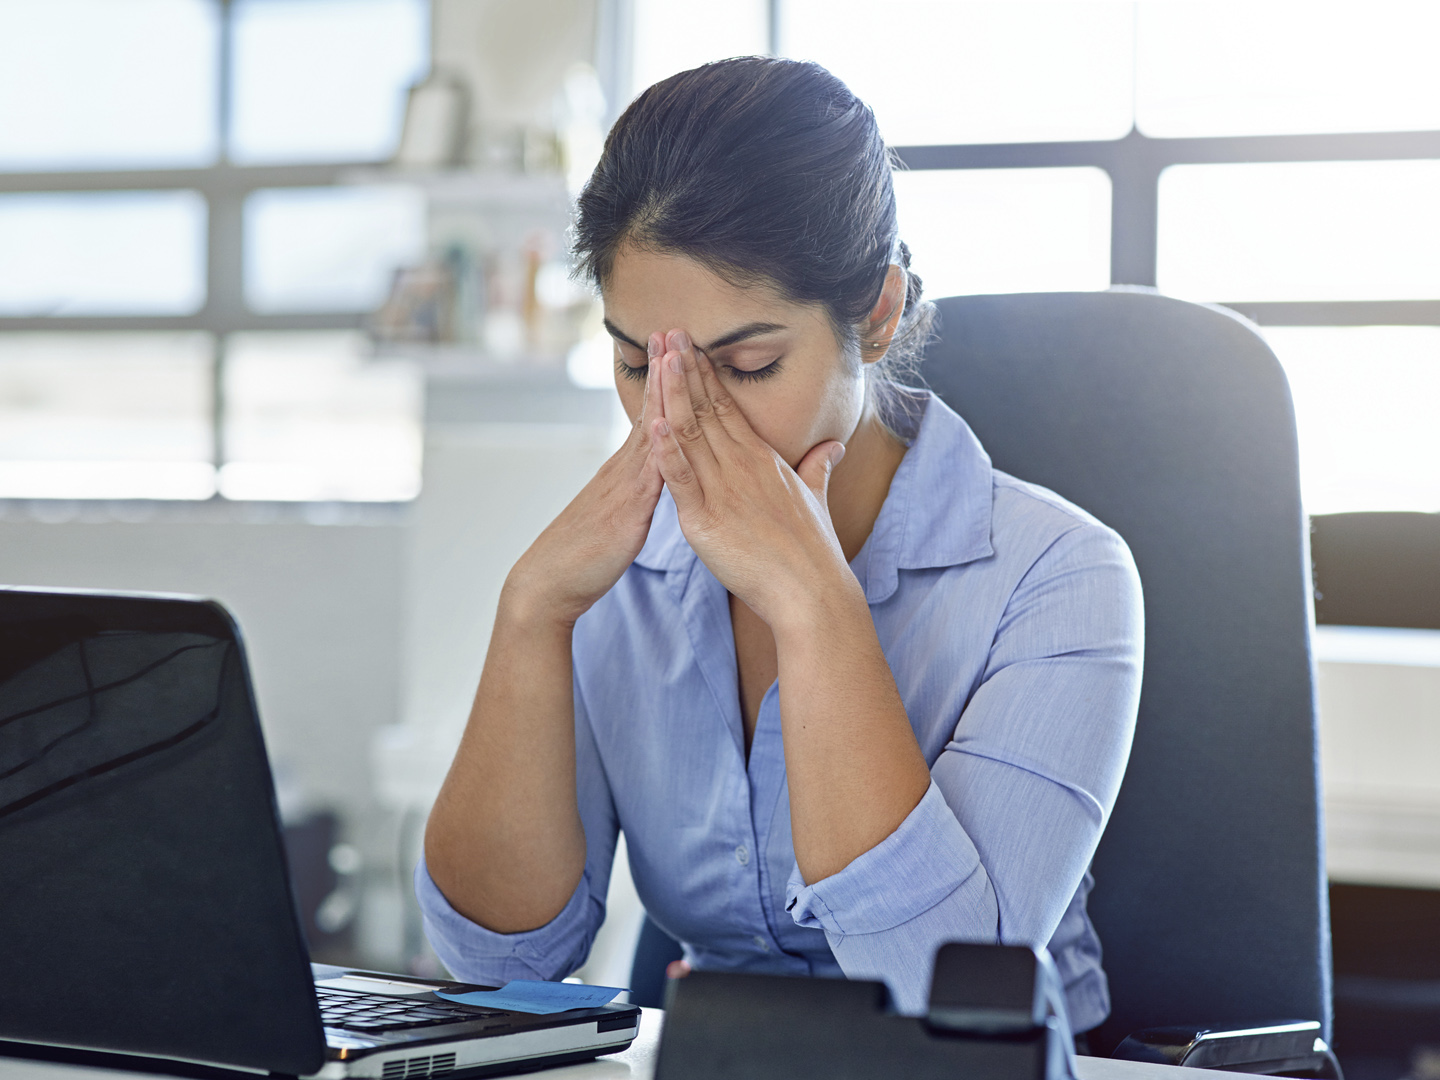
x=734 y=337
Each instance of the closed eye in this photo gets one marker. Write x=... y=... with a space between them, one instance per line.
x=635 y=374
x=769 y=371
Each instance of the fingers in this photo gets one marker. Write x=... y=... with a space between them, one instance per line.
x=817 y=465
x=651 y=405
x=721 y=404
x=713 y=406
x=687 y=425
x=675 y=468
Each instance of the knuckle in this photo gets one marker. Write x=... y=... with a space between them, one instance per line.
x=690 y=431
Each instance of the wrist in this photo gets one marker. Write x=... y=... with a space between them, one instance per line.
x=818 y=608
x=527 y=603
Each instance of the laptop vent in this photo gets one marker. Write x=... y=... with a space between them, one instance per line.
x=411 y=1068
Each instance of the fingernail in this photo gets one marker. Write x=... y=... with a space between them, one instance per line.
x=837 y=455
x=662 y=428
x=675 y=364
x=679 y=340
x=654 y=345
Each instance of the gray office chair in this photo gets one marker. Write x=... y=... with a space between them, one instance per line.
x=1172 y=423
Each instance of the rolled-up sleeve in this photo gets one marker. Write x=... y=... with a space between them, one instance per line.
x=997 y=847
x=478 y=955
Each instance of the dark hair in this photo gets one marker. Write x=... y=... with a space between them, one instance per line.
x=767 y=172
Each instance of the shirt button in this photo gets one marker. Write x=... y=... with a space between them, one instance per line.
x=761 y=943
x=742 y=855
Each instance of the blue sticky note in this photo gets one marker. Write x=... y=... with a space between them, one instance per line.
x=542 y=998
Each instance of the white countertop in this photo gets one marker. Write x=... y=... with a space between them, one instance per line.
x=637 y=1063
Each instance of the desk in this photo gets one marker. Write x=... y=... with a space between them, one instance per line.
x=637 y=1063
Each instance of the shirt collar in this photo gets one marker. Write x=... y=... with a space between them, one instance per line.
x=936 y=514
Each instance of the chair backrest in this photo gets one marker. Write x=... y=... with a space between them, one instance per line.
x=1172 y=423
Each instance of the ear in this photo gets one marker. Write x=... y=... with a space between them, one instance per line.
x=884 y=316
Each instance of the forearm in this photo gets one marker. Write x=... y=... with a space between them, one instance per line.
x=855 y=770
x=504 y=841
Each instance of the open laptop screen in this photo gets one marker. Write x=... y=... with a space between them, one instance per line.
x=144 y=900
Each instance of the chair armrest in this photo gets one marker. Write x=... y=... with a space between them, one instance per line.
x=1282 y=1048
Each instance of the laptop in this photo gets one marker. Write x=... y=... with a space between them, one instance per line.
x=145 y=905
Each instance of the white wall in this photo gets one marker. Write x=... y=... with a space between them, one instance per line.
x=1380 y=757
x=319 y=606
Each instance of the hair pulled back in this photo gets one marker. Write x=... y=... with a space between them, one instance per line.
x=766 y=172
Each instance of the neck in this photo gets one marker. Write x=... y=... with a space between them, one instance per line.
x=861 y=481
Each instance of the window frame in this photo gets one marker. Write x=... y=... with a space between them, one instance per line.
x=224 y=186
x=1134 y=164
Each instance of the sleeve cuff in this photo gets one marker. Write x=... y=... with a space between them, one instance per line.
x=917 y=866
x=474 y=954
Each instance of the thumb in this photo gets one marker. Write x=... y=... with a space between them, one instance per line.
x=816 y=466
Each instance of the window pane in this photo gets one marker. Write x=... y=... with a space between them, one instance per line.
x=329 y=249
x=324 y=80
x=1352 y=230
x=1366 y=399
x=105 y=416
x=676 y=35
x=1236 y=67
x=310 y=417
x=94 y=84
x=1006 y=230
x=937 y=71
x=102 y=253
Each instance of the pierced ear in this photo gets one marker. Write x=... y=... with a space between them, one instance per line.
x=884 y=316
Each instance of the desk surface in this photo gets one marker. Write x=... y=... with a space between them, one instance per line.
x=637 y=1063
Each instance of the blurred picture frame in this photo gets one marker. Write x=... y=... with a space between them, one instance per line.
x=437 y=114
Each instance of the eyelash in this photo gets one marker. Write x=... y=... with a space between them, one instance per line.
x=638 y=374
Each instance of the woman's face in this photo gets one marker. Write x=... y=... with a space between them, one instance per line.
x=780 y=361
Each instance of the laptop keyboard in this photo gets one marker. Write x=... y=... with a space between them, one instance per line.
x=354 y=1011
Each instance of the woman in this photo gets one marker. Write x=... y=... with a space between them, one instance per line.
x=849 y=692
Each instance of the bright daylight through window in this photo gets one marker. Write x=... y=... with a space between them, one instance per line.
x=190 y=326
x=210 y=297
x=1320 y=225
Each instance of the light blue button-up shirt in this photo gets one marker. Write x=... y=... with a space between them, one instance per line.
x=1012 y=622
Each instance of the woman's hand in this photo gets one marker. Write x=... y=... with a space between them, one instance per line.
x=761 y=527
x=585 y=550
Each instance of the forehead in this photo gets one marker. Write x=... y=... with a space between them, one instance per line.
x=648 y=292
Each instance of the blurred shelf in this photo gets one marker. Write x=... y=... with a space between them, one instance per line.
x=453 y=360
x=466 y=385
x=507 y=192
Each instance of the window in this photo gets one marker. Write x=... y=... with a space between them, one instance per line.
x=1236 y=67
x=938 y=71
x=188 y=327
x=1300 y=231
x=90 y=84
x=1366 y=398
x=102 y=253
x=313 y=418
x=322 y=80
x=1287 y=170
x=106 y=416
x=328 y=248
x=1006 y=230
x=676 y=35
